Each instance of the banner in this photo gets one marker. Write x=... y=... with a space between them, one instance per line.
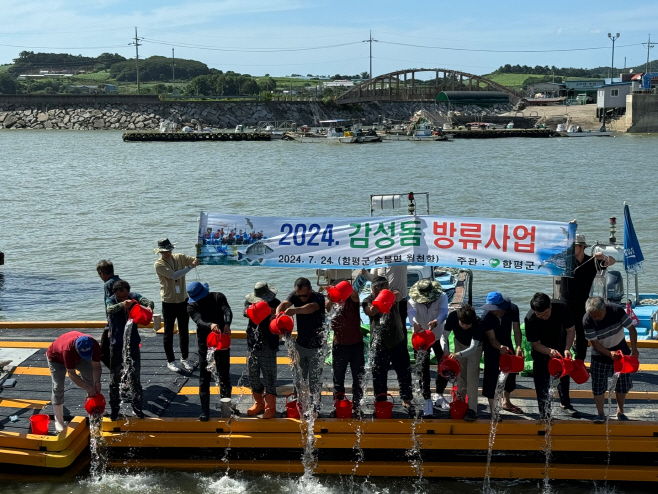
x=516 y=246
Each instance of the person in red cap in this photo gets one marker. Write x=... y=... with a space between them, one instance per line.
x=79 y=355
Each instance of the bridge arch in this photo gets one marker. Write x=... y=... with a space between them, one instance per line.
x=402 y=85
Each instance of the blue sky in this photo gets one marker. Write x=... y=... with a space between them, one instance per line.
x=325 y=37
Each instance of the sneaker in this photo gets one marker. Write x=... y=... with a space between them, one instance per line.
x=622 y=417
x=570 y=411
x=471 y=415
x=410 y=409
x=205 y=416
x=138 y=413
x=428 y=409
x=599 y=419
x=442 y=403
x=114 y=415
x=188 y=364
x=333 y=414
x=173 y=367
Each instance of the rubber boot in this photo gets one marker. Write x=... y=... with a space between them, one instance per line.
x=270 y=406
x=258 y=406
x=205 y=407
x=58 y=411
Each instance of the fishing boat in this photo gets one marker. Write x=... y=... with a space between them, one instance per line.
x=338 y=132
x=568 y=129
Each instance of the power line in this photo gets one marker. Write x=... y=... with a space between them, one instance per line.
x=247 y=50
x=64 y=47
x=137 y=44
x=501 y=51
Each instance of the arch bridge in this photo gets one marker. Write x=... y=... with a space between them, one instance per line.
x=402 y=85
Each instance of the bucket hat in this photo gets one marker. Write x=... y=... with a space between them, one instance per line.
x=85 y=346
x=580 y=240
x=496 y=301
x=425 y=291
x=196 y=291
x=164 y=245
x=262 y=291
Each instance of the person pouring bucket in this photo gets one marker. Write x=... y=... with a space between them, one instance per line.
x=211 y=313
x=79 y=355
x=262 y=346
x=428 y=310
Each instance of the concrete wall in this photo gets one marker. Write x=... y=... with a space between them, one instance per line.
x=642 y=112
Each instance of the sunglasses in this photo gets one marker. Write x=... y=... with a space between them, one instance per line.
x=304 y=296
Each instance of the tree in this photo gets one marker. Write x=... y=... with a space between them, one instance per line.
x=7 y=84
x=267 y=83
x=365 y=75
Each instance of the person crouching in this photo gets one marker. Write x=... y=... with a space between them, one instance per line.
x=211 y=313
x=118 y=307
x=262 y=345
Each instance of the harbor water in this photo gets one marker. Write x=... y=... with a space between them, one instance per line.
x=69 y=199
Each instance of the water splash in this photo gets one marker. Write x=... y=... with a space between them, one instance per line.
x=97 y=448
x=126 y=385
x=414 y=453
x=548 y=429
x=611 y=390
x=495 y=419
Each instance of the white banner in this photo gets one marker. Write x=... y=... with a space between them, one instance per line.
x=518 y=246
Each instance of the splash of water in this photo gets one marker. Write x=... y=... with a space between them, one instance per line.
x=126 y=385
x=611 y=390
x=495 y=419
x=414 y=453
x=98 y=449
x=548 y=428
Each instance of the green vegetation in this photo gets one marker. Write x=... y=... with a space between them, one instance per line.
x=157 y=69
x=92 y=77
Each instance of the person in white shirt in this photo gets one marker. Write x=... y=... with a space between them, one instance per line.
x=428 y=310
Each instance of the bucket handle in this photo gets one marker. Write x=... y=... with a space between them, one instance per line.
x=384 y=394
x=338 y=395
x=289 y=395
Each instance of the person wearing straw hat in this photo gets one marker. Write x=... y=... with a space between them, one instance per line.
x=211 y=313
x=427 y=309
x=261 y=358
x=575 y=291
x=171 y=269
x=79 y=356
x=499 y=320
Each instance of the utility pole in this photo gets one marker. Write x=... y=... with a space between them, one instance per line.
x=649 y=45
x=173 y=71
x=137 y=44
x=370 y=40
x=612 y=66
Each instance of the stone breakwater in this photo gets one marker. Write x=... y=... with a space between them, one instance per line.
x=95 y=113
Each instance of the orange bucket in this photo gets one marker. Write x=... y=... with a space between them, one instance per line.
x=384 y=301
x=343 y=406
x=340 y=292
x=384 y=409
x=292 y=408
x=626 y=364
x=218 y=341
x=579 y=374
x=140 y=315
x=449 y=368
x=511 y=363
x=458 y=409
x=95 y=405
x=258 y=312
x=40 y=423
x=422 y=340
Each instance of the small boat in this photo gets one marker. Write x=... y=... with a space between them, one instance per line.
x=577 y=131
x=338 y=133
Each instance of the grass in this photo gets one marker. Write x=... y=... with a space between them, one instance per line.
x=101 y=76
x=509 y=80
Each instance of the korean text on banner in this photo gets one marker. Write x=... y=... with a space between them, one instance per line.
x=532 y=247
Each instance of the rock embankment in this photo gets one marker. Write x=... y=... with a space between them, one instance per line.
x=105 y=114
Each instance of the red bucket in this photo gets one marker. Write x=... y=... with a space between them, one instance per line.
x=218 y=341
x=384 y=301
x=579 y=374
x=292 y=407
x=453 y=394
x=458 y=409
x=95 y=405
x=343 y=406
x=282 y=324
x=423 y=340
x=40 y=423
x=560 y=367
x=449 y=368
x=511 y=363
x=141 y=315
x=258 y=312
x=341 y=292
x=626 y=364
x=384 y=409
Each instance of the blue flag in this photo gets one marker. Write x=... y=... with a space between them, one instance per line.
x=632 y=253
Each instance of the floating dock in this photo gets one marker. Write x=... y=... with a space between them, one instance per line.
x=195 y=136
x=172 y=437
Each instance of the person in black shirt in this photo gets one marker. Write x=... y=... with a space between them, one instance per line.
x=211 y=313
x=388 y=337
x=309 y=307
x=549 y=327
x=575 y=291
x=262 y=346
x=499 y=319
x=468 y=336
